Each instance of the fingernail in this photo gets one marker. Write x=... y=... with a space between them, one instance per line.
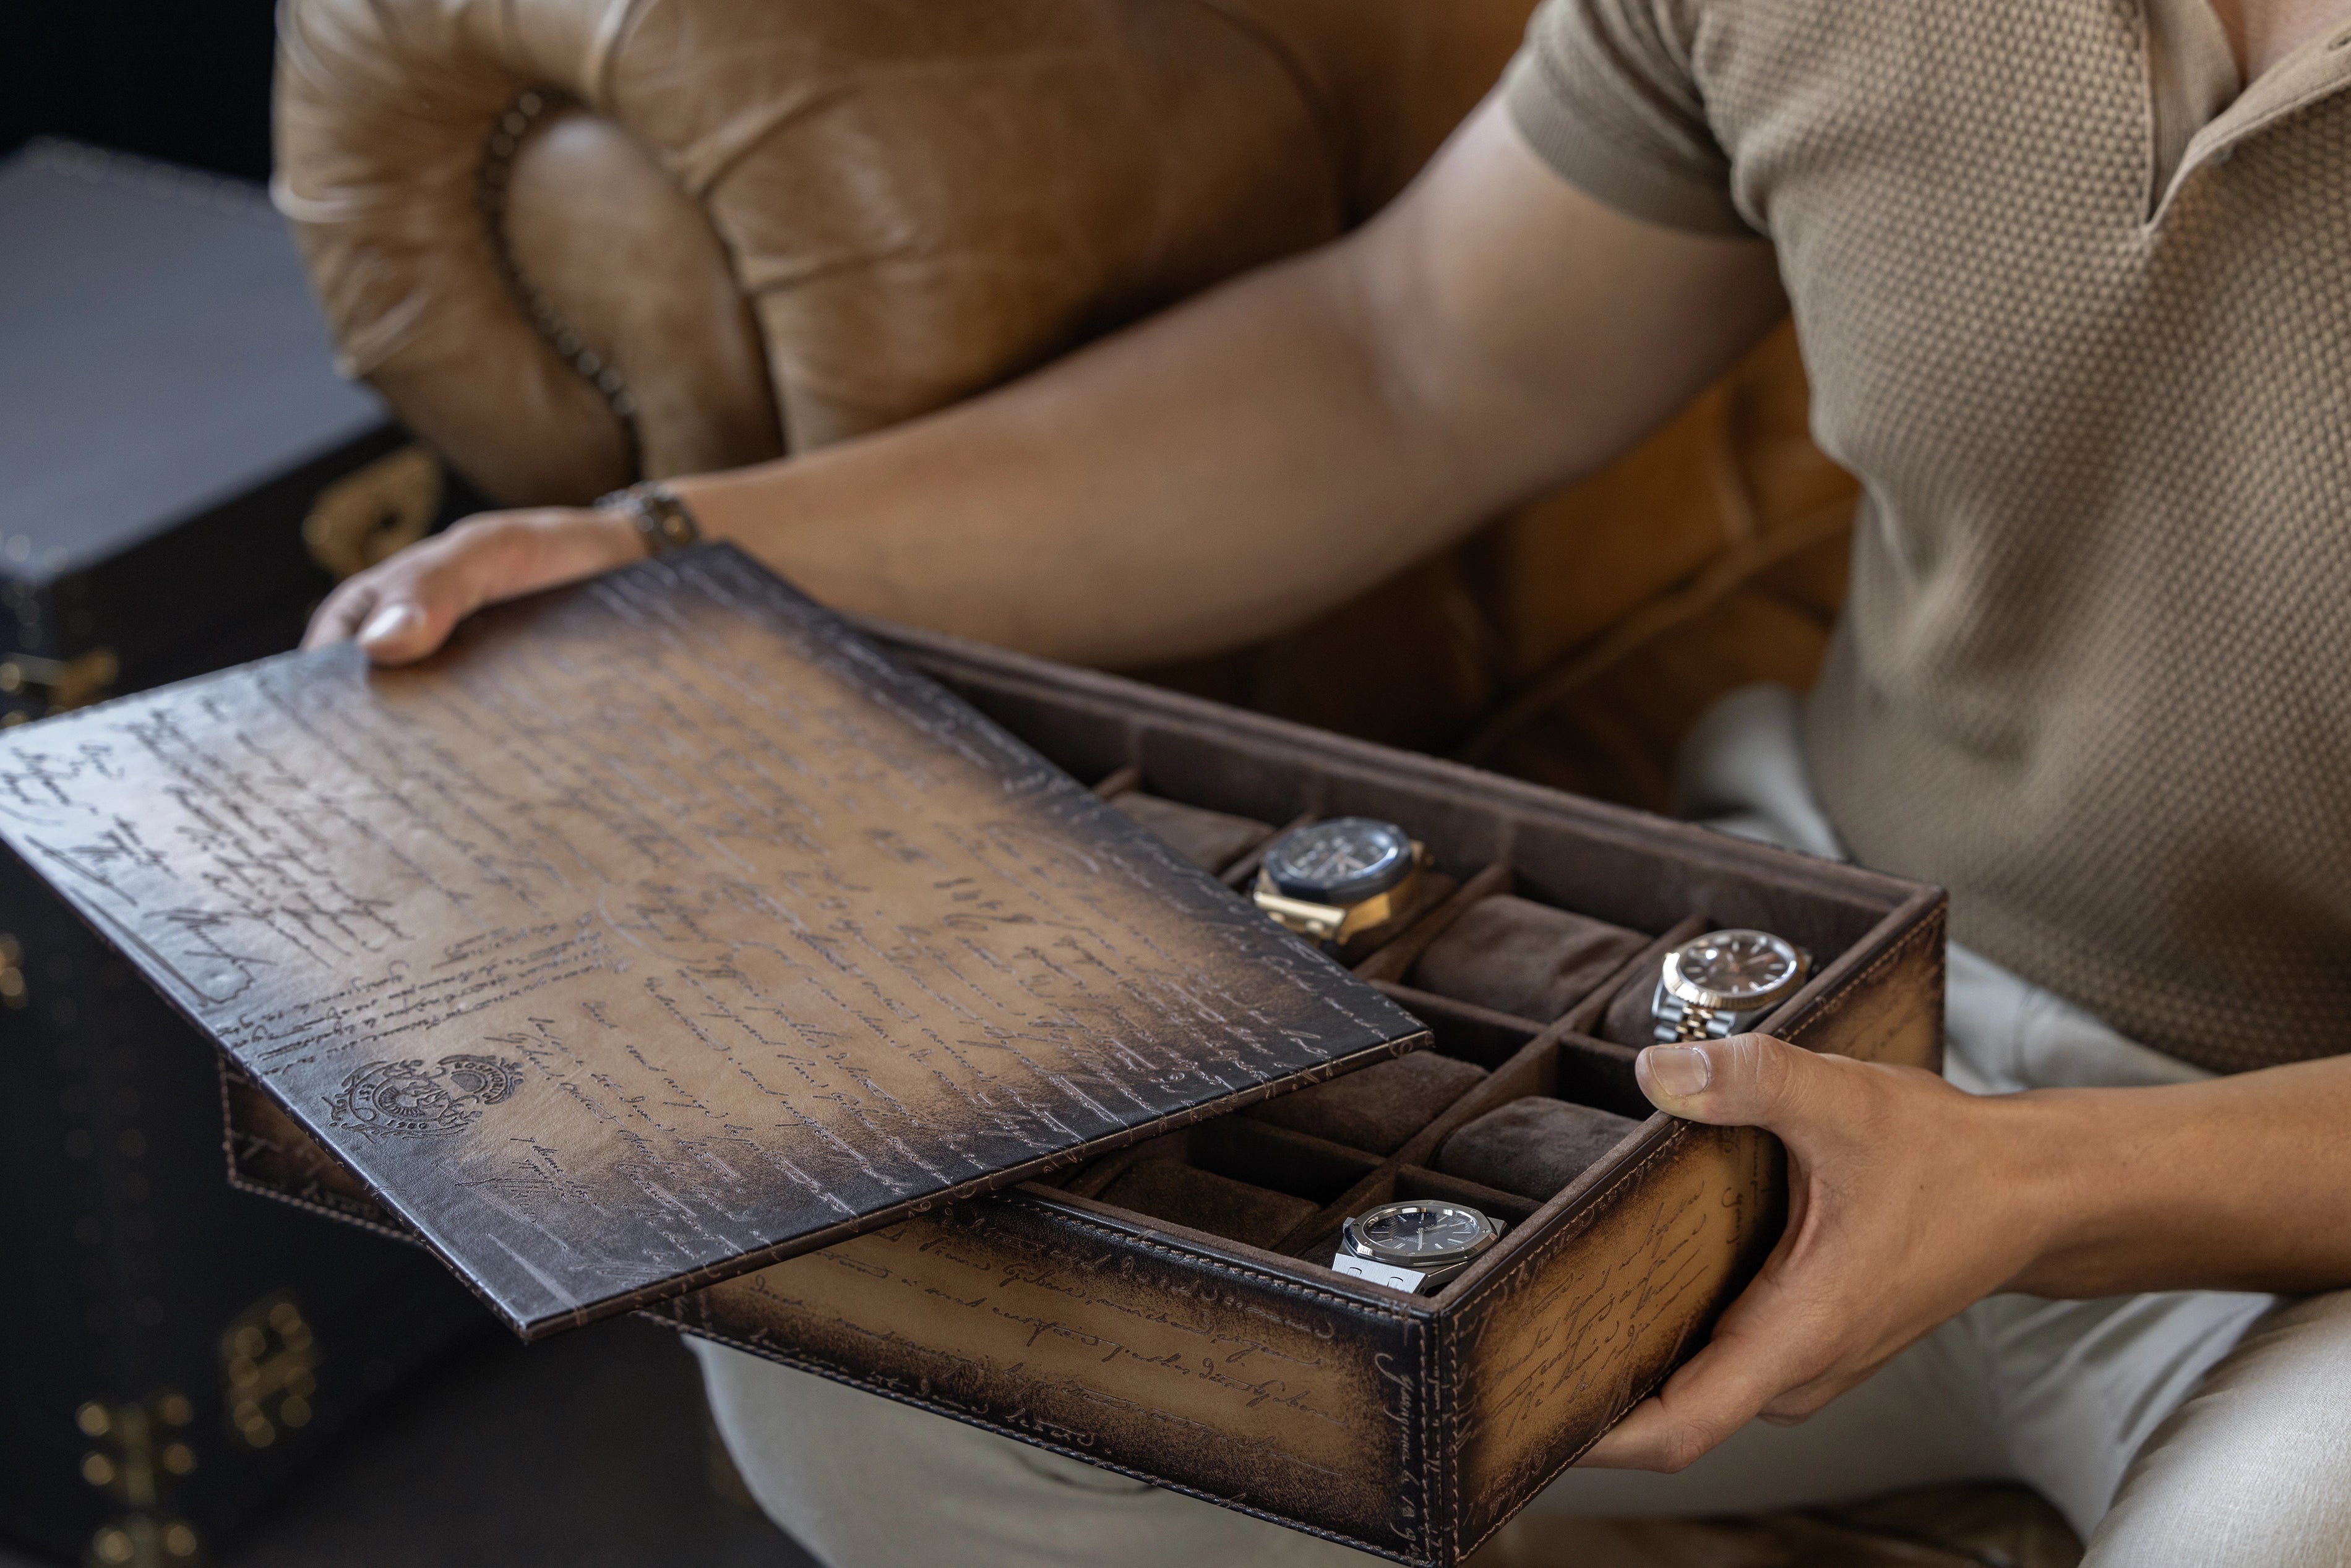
x=389 y=622
x=1681 y=1071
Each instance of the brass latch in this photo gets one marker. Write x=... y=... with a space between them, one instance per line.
x=133 y=1448
x=371 y=512
x=57 y=684
x=271 y=1362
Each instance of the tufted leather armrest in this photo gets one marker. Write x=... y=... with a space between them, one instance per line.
x=571 y=238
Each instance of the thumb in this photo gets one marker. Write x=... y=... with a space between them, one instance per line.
x=401 y=630
x=1746 y=1081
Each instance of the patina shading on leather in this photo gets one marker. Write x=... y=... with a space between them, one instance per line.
x=660 y=928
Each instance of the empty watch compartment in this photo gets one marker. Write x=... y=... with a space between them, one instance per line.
x=1209 y=840
x=1512 y=955
x=1227 y=1178
x=1379 y=1108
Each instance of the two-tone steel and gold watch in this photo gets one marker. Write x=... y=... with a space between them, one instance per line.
x=1327 y=880
x=1720 y=984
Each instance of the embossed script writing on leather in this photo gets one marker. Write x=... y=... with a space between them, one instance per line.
x=659 y=928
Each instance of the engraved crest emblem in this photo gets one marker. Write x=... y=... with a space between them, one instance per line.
x=402 y=1100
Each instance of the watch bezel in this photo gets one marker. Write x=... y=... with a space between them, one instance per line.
x=1690 y=993
x=1360 y=888
x=1352 y=1238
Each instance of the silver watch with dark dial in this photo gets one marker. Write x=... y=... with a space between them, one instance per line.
x=1720 y=984
x=1415 y=1245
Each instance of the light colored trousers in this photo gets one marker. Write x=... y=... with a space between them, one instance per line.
x=2193 y=1427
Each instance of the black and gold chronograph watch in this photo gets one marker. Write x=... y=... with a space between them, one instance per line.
x=1329 y=880
x=1720 y=984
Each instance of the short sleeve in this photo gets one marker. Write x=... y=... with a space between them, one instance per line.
x=1604 y=92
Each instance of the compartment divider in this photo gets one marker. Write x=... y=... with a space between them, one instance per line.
x=1391 y=959
x=1500 y=1205
x=1365 y=1194
x=1506 y=1083
x=1585 y=1017
x=1092 y=1178
x=1593 y=1071
x=1433 y=1009
x=1243 y=871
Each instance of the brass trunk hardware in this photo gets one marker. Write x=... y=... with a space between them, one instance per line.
x=13 y=990
x=57 y=684
x=370 y=514
x=271 y=1363
x=134 y=1455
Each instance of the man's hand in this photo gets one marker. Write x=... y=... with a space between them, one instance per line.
x=401 y=609
x=1905 y=1205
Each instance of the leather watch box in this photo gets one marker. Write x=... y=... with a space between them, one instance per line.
x=1020 y=1113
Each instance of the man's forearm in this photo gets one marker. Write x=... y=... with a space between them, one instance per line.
x=1209 y=477
x=1222 y=471
x=1264 y=452
x=2242 y=1183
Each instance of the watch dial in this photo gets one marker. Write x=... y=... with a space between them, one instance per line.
x=1344 y=860
x=1423 y=1229
x=1738 y=966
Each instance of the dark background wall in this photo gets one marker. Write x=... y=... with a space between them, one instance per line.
x=182 y=80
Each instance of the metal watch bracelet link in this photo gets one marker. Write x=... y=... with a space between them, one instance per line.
x=1695 y=1023
x=661 y=518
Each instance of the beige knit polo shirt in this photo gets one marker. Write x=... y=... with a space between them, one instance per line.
x=2077 y=312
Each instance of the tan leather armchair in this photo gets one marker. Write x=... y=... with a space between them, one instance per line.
x=575 y=242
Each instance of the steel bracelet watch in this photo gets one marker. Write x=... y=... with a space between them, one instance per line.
x=1720 y=984
x=1415 y=1245
x=1327 y=880
x=662 y=520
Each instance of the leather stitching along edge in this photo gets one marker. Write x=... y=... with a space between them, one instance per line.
x=816 y=1368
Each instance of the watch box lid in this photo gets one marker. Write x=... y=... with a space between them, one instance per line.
x=159 y=352
x=661 y=928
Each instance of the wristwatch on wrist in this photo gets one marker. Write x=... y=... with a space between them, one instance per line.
x=1329 y=880
x=662 y=520
x=1717 y=985
x=1415 y=1245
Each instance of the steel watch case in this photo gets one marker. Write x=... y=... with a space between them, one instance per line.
x=1734 y=1010
x=1434 y=1269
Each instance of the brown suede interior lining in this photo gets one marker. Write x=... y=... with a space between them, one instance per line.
x=1186 y=1195
x=1209 y=840
x=1532 y=1147
x=1627 y=1020
x=1521 y=957
x=1375 y=1109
